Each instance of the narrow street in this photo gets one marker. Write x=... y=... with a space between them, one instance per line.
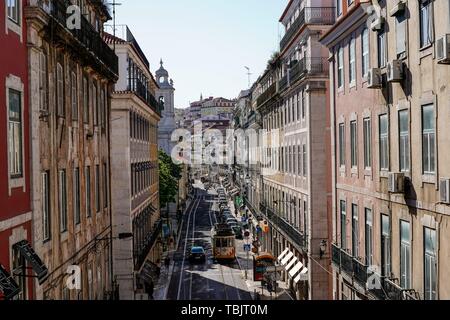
x=211 y=280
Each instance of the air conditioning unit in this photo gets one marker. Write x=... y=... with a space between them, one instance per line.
x=398 y=8
x=444 y=188
x=443 y=49
x=378 y=24
x=395 y=71
x=396 y=182
x=374 y=78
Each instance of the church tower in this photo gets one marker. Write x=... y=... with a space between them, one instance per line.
x=165 y=95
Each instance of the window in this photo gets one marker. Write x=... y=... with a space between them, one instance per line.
x=95 y=103
x=352 y=61
x=400 y=25
x=339 y=7
x=342 y=144
x=365 y=52
x=403 y=118
x=385 y=246
x=355 y=230
x=343 y=225
x=97 y=188
x=15 y=135
x=76 y=196
x=354 y=143
x=384 y=143
x=369 y=237
x=85 y=100
x=340 y=66
x=305 y=161
x=405 y=255
x=428 y=139
x=367 y=143
x=46 y=226
x=14 y=10
x=43 y=82
x=426 y=23
x=19 y=273
x=105 y=186
x=430 y=261
x=87 y=177
x=62 y=200
x=74 y=96
x=303 y=105
x=382 y=58
x=60 y=90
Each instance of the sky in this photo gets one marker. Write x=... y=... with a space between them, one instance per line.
x=205 y=44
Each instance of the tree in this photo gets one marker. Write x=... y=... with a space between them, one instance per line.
x=169 y=174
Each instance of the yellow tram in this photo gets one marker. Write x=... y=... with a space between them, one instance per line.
x=224 y=242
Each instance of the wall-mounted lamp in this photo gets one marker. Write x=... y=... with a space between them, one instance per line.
x=323 y=248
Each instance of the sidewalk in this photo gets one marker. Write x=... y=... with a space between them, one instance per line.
x=254 y=287
x=161 y=288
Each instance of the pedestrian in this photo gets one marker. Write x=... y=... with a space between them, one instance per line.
x=167 y=261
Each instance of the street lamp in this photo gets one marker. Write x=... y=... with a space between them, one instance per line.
x=323 y=248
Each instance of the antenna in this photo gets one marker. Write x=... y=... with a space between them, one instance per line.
x=114 y=4
x=249 y=75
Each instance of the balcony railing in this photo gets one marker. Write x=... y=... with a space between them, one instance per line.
x=309 y=15
x=283 y=83
x=89 y=40
x=267 y=95
x=354 y=268
x=150 y=241
x=295 y=235
x=141 y=90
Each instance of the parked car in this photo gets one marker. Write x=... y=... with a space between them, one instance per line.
x=197 y=254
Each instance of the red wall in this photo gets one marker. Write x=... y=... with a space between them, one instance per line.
x=13 y=60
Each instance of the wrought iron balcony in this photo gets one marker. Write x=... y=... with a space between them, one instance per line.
x=309 y=15
x=150 y=240
x=267 y=95
x=308 y=66
x=85 y=41
x=283 y=84
x=141 y=90
x=297 y=237
x=360 y=271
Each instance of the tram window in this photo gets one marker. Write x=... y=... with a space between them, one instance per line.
x=218 y=243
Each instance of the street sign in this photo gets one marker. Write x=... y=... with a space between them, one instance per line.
x=247 y=247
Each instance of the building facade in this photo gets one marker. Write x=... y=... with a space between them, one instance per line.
x=135 y=171
x=71 y=71
x=389 y=93
x=166 y=96
x=292 y=98
x=15 y=216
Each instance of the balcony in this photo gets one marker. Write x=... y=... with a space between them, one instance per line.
x=285 y=227
x=358 y=271
x=283 y=84
x=267 y=95
x=141 y=90
x=308 y=67
x=149 y=243
x=309 y=15
x=86 y=42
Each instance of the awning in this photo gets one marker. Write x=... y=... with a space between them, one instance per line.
x=149 y=273
x=33 y=259
x=296 y=269
x=234 y=192
x=287 y=258
x=283 y=254
x=291 y=264
x=8 y=286
x=303 y=276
